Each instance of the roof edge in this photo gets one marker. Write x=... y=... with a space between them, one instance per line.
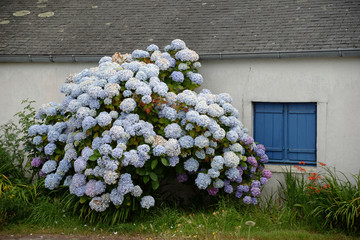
x=67 y=58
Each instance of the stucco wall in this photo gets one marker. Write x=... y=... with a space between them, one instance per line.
x=333 y=83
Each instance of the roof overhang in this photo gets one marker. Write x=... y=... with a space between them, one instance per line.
x=206 y=56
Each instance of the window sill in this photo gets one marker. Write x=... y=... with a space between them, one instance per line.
x=286 y=168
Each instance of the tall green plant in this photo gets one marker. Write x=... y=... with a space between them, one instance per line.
x=338 y=203
x=14 y=142
x=324 y=199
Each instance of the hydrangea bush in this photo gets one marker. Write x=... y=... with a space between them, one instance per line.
x=125 y=124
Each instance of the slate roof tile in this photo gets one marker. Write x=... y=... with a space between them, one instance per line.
x=208 y=26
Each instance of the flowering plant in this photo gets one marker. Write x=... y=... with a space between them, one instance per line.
x=124 y=124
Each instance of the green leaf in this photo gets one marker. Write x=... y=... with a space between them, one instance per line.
x=154 y=164
x=153 y=176
x=146 y=179
x=165 y=162
x=57 y=157
x=140 y=171
x=83 y=199
x=95 y=156
x=155 y=185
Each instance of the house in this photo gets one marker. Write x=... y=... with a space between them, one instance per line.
x=292 y=67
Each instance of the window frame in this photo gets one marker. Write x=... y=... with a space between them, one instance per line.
x=247 y=117
x=285 y=112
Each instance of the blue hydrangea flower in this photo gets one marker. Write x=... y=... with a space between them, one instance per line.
x=169 y=113
x=217 y=163
x=191 y=165
x=177 y=44
x=187 y=55
x=128 y=105
x=232 y=173
x=202 y=181
x=146 y=99
x=152 y=48
x=63 y=168
x=104 y=119
x=49 y=149
x=116 y=197
x=86 y=153
x=98 y=204
x=201 y=141
x=173 y=131
x=136 y=54
x=125 y=184
x=147 y=202
x=94 y=188
x=52 y=181
x=186 y=142
x=183 y=66
x=177 y=76
x=213 y=173
x=80 y=164
x=218 y=183
x=37 y=140
x=159 y=150
x=200 y=154
x=247 y=200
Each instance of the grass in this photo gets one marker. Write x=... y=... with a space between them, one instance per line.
x=224 y=222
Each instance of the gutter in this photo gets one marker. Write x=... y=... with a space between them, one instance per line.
x=206 y=56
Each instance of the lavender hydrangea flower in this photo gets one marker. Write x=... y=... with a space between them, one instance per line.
x=266 y=173
x=255 y=191
x=263 y=180
x=212 y=191
x=247 y=200
x=182 y=177
x=36 y=162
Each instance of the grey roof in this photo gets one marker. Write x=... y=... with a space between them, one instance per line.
x=99 y=27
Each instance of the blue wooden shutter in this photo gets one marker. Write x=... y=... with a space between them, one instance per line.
x=269 y=129
x=301 y=133
x=288 y=131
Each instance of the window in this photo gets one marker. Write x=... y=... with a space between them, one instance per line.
x=287 y=130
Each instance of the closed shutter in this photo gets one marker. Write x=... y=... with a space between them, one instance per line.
x=287 y=130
